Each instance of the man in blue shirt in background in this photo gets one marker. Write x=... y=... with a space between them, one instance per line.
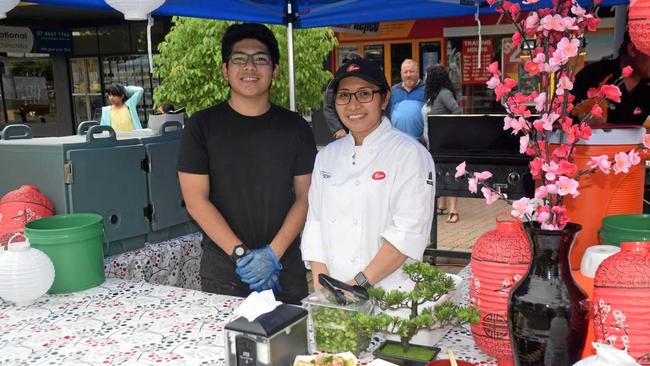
x=406 y=101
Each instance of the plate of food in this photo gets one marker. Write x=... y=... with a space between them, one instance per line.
x=326 y=359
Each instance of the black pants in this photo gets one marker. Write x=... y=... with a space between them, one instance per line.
x=218 y=276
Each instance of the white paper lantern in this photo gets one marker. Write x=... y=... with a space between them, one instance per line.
x=5 y=6
x=135 y=9
x=25 y=274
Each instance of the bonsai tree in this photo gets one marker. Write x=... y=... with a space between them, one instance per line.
x=430 y=285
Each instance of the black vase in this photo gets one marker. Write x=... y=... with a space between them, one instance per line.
x=547 y=312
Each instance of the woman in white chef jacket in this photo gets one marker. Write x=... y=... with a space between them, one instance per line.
x=372 y=194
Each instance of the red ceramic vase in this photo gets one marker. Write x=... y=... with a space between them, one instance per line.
x=19 y=207
x=500 y=259
x=622 y=300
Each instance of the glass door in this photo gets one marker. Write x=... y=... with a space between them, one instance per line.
x=86 y=88
x=398 y=53
x=429 y=55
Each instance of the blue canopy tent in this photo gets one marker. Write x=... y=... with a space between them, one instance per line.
x=311 y=13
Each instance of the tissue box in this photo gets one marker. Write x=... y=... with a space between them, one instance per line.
x=331 y=326
x=274 y=338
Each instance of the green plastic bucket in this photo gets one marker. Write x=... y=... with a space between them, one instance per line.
x=74 y=244
x=617 y=229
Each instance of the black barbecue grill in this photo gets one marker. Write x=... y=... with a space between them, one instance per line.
x=481 y=142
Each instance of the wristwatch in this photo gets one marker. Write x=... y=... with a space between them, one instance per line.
x=239 y=251
x=362 y=280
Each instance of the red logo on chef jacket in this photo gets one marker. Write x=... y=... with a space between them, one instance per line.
x=353 y=68
x=378 y=175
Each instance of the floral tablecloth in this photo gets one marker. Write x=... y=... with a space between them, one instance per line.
x=117 y=323
x=173 y=262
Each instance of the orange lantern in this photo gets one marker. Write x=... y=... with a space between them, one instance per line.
x=639 y=24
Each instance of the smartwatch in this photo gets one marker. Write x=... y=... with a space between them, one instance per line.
x=239 y=251
x=362 y=280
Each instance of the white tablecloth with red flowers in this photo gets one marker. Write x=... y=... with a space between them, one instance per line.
x=139 y=323
x=173 y=263
x=117 y=323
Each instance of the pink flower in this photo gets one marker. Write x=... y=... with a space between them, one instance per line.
x=514 y=10
x=490 y=196
x=633 y=157
x=543 y=216
x=552 y=169
x=521 y=207
x=569 y=23
x=540 y=100
x=627 y=71
x=578 y=10
x=523 y=143
x=553 y=22
x=531 y=68
x=621 y=163
x=568 y=48
x=517 y=39
x=541 y=192
x=564 y=84
x=473 y=184
x=611 y=92
x=460 y=170
x=646 y=141
x=600 y=162
x=566 y=186
x=484 y=175
x=548 y=120
x=596 y=111
x=494 y=69
x=493 y=82
x=569 y=169
x=532 y=21
x=536 y=167
x=551 y=188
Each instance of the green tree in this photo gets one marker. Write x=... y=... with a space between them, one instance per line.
x=189 y=65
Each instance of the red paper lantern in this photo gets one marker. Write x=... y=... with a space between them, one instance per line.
x=500 y=258
x=20 y=207
x=622 y=300
x=639 y=24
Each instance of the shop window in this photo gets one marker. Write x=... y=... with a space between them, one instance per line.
x=375 y=52
x=398 y=53
x=344 y=51
x=114 y=39
x=84 y=41
x=429 y=55
x=130 y=70
x=28 y=85
x=139 y=35
x=86 y=88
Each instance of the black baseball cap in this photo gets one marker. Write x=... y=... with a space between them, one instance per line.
x=363 y=68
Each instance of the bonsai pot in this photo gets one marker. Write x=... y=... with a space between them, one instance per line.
x=417 y=355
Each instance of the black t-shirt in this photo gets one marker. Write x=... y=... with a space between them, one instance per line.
x=251 y=162
x=633 y=108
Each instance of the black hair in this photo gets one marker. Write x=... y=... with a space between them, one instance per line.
x=622 y=50
x=117 y=90
x=437 y=78
x=256 y=31
x=166 y=107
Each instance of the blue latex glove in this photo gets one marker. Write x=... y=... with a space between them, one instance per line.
x=258 y=267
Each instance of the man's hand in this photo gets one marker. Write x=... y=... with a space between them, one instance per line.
x=258 y=269
x=339 y=133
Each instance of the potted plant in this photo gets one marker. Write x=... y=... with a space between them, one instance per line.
x=430 y=284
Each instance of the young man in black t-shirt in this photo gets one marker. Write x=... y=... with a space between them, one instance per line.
x=245 y=168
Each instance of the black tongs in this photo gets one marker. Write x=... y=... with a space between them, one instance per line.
x=338 y=289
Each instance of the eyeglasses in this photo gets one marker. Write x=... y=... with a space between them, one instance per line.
x=362 y=96
x=259 y=58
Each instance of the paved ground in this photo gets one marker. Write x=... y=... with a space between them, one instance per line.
x=476 y=217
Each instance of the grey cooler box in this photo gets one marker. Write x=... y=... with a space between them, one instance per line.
x=167 y=213
x=93 y=173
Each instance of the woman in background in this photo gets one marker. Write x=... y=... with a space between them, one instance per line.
x=440 y=99
x=122 y=114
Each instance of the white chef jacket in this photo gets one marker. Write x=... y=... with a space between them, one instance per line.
x=361 y=195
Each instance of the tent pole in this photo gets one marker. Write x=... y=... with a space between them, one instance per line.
x=292 y=82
